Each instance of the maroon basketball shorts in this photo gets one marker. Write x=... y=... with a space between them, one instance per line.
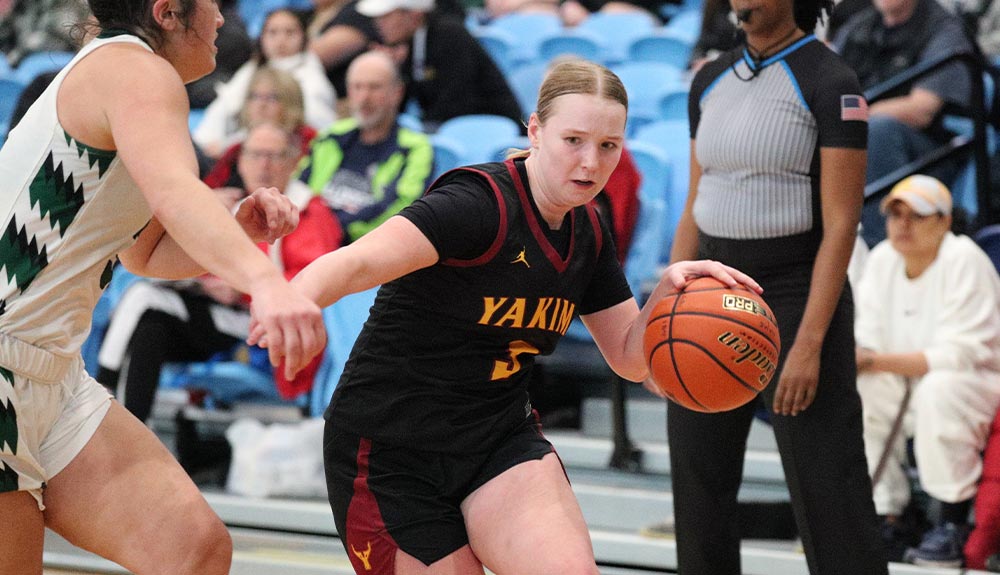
x=387 y=497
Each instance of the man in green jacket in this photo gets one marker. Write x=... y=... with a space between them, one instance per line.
x=368 y=167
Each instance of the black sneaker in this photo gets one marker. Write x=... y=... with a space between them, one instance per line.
x=896 y=539
x=941 y=547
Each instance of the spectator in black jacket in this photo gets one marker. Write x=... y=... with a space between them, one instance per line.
x=447 y=72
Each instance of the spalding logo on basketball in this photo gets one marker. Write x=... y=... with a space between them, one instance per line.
x=710 y=347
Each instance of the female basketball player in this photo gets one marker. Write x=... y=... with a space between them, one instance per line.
x=778 y=134
x=435 y=463
x=102 y=166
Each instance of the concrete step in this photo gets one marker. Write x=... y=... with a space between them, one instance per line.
x=647 y=421
x=579 y=450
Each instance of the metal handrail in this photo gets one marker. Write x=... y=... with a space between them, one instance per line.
x=989 y=211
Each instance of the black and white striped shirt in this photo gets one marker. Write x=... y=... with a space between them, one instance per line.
x=759 y=128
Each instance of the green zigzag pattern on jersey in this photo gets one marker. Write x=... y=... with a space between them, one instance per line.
x=55 y=194
x=8 y=427
x=8 y=436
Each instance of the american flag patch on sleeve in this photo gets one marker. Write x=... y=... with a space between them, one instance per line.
x=853 y=108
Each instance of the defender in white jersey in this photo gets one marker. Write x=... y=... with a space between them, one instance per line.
x=102 y=167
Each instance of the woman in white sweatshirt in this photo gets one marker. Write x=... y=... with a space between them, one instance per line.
x=928 y=319
x=282 y=45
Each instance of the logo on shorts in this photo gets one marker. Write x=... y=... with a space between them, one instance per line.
x=363 y=555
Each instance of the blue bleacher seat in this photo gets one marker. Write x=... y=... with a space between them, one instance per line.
x=501 y=45
x=344 y=320
x=988 y=239
x=673 y=138
x=10 y=91
x=674 y=105
x=686 y=24
x=661 y=47
x=529 y=29
x=38 y=62
x=579 y=43
x=653 y=231
x=618 y=30
x=449 y=153
x=253 y=13
x=502 y=148
x=479 y=134
x=525 y=80
x=5 y=70
x=646 y=82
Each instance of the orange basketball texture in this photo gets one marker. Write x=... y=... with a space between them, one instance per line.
x=710 y=347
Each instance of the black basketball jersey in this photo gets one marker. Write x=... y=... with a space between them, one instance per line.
x=444 y=361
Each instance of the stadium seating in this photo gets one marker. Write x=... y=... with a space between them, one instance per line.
x=10 y=91
x=344 y=320
x=479 y=133
x=661 y=47
x=501 y=45
x=672 y=137
x=525 y=80
x=449 y=153
x=579 y=43
x=674 y=105
x=38 y=62
x=651 y=237
x=686 y=24
x=529 y=29
x=253 y=13
x=617 y=30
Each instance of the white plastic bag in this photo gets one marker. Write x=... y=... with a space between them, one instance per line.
x=277 y=460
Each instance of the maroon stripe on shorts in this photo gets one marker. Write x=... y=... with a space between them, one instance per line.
x=372 y=550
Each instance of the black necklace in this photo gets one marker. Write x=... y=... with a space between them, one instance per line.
x=762 y=55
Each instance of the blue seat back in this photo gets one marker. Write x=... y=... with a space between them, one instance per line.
x=10 y=91
x=38 y=62
x=344 y=321
x=501 y=45
x=651 y=238
x=529 y=29
x=479 y=133
x=578 y=43
x=525 y=80
x=668 y=49
x=646 y=82
x=449 y=153
x=618 y=30
x=671 y=136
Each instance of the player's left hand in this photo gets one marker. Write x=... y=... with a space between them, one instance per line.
x=677 y=275
x=267 y=215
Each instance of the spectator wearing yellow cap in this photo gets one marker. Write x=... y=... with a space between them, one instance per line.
x=928 y=331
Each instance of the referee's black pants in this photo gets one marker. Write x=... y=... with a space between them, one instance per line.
x=822 y=449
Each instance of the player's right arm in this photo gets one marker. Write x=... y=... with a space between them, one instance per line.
x=388 y=252
x=144 y=111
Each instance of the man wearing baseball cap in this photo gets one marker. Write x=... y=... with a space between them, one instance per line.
x=927 y=331
x=446 y=71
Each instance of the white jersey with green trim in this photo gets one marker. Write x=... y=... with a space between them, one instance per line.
x=67 y=210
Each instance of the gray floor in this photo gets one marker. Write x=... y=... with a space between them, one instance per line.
x=616 y=504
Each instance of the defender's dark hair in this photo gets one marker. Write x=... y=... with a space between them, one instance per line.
x=808 y=13
x=135 y=17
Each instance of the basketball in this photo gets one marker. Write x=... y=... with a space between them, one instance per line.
x=710 y=347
